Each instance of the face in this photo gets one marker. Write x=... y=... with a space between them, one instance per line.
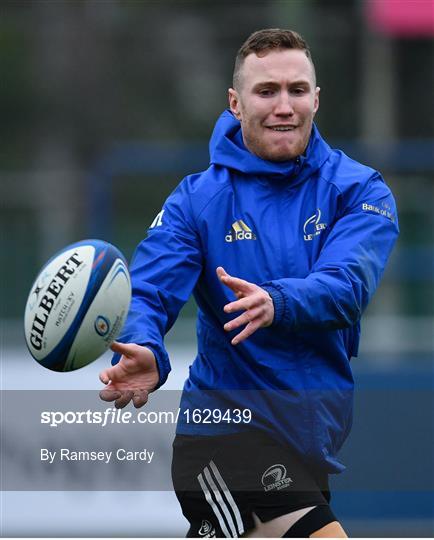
x=276 y=103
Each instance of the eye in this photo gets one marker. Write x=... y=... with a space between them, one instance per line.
x=266 y=92
x=298 y=91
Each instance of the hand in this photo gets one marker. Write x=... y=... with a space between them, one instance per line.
x=133 y=377
x=256 y=302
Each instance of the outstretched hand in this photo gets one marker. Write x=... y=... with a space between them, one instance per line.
x=132 y=378
x=256 y=303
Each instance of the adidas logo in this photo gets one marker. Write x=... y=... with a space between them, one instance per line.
x=240 y=231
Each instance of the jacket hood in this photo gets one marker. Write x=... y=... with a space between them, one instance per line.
x=227 y=149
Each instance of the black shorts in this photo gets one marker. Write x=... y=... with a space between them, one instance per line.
x=221 y=480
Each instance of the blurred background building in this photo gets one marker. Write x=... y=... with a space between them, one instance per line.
x=106 y=104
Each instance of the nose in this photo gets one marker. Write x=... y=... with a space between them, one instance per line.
x=283 y=105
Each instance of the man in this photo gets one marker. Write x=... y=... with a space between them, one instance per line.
x=283 y=242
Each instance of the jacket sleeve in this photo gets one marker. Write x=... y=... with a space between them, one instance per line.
x=164 y=271
x=349 y=267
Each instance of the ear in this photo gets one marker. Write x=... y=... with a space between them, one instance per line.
x=234 y=103
x=316 y=100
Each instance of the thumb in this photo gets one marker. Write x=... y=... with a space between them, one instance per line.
x=126 y=349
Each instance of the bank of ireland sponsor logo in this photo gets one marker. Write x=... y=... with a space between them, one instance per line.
x=206 y=530
x=382 y=209
x=313 y=227
x=102 y=325
x=275 y=478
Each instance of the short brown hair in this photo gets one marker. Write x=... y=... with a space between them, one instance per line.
x=266 y=40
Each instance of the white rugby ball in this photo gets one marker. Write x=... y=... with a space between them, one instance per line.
x=77 y=305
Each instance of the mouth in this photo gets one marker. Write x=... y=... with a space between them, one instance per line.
x=282 y=128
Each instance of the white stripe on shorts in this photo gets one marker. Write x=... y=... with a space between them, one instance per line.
x=228 y=497
x=213 y=505
x=219 y=487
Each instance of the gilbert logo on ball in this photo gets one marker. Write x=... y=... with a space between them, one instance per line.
x=77 y=305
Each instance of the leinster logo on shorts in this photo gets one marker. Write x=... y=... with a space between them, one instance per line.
x=102 y=325
x=275 y=478
x=206 y=529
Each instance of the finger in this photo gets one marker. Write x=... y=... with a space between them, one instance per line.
x=234 y=283
x=245 y=318
x=248 y=302
x=124 y=399
x=248 y=331
x=127 y=349
x=140 y=397
x=237 y=284
x=111 y=374
x=221 y=272
x=108 y=394
x=103 y=377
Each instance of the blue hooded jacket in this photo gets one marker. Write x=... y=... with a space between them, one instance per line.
x=316 y=233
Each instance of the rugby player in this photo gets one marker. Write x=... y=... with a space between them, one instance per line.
x=282 y=241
